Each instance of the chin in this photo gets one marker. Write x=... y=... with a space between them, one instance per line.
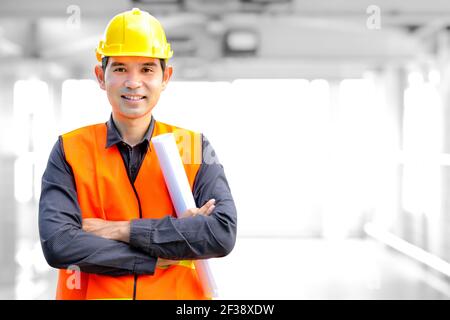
x=134 y=114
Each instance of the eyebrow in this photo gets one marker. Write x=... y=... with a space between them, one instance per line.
x=149 y=64
x=115 y=64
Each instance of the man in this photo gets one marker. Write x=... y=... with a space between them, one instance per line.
x=104 y=207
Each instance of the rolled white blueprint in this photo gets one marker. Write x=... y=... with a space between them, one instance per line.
x=180 y=192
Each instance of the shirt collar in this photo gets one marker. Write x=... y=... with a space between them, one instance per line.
x=113 y=135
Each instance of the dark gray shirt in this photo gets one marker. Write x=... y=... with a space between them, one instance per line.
x=64 y=243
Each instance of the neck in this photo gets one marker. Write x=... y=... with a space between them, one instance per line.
x=132 y=130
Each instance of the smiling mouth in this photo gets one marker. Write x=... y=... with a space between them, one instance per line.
x=133 y=97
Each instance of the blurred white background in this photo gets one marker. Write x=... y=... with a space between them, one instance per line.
x=330 y=118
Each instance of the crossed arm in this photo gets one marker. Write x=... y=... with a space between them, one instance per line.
x=120 y=230
x=132 y=247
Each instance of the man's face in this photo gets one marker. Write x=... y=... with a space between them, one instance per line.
x=133 y=84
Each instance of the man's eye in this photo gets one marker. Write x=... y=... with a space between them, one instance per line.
x=147 y=70
x=119 y=70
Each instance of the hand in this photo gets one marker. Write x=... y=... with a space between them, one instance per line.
x=164 y=263
x=206 y=210
x=114 y=230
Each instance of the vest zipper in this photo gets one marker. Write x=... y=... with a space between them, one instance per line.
x=140 y=215
x=134 y=287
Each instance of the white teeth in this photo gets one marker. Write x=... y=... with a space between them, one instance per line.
x=134 y=98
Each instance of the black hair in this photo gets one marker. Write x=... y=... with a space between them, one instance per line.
x=106 y=59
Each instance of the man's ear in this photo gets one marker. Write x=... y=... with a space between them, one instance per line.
x=167 y=75
x=100 y=75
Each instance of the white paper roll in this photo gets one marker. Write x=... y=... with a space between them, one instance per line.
x=180 y=192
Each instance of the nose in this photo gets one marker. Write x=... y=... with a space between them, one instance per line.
x=133 y=82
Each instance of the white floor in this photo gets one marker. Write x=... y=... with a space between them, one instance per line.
x=293 y=268
x=277 y=268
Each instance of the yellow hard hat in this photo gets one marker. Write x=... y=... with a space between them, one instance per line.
x=134 y=33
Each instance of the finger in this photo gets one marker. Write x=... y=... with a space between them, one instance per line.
x=206 y=206
x=190 y=212
x=89 y=223
x=165 y=262
x=210 y=210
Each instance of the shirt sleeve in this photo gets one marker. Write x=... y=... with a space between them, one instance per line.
x=197 y=237
x=63 y=241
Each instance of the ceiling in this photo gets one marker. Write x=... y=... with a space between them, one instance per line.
x=291 y=38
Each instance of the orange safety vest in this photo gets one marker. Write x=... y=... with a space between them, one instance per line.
x=105 y=191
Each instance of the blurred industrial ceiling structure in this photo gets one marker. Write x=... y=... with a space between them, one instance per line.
x=227 y=39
